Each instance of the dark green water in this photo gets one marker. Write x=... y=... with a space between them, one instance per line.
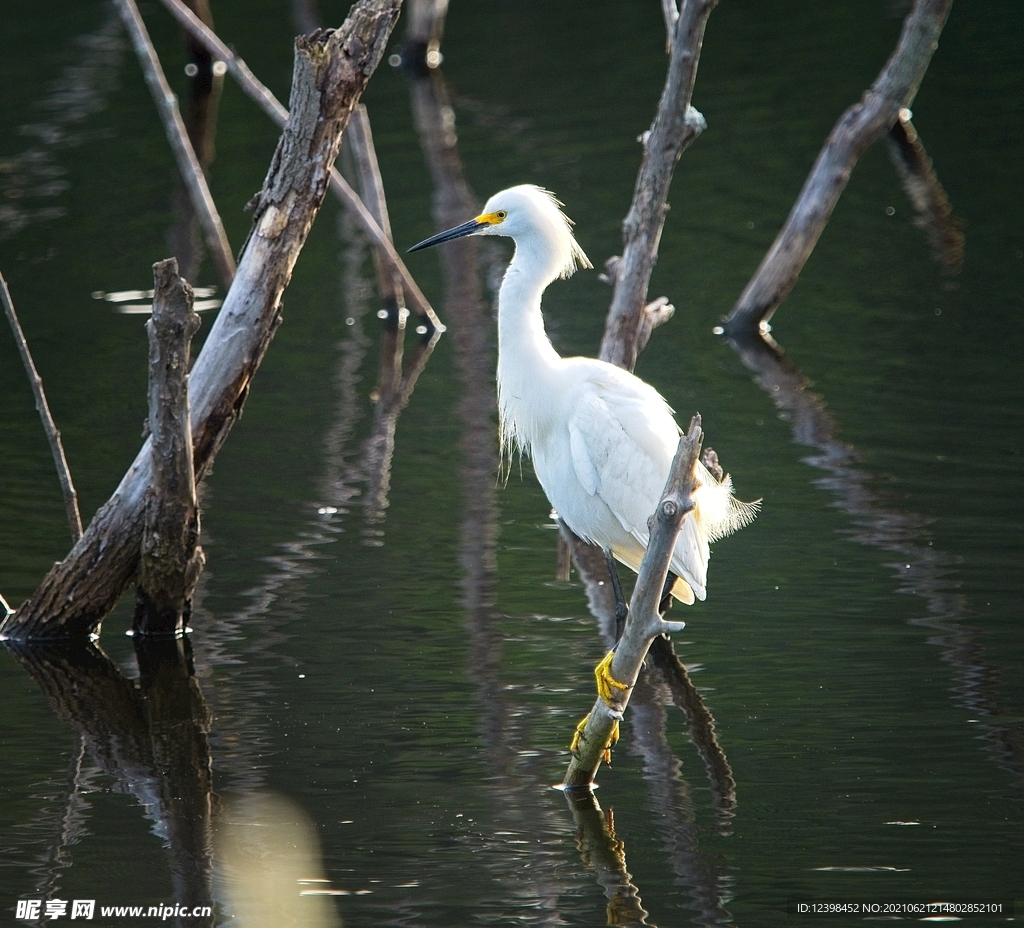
x=407 y=685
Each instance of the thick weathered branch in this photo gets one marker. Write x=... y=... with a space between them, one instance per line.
x=238 y=69
x=331 y=70
x=860 y=126
x=189 y=168
x=171 y=556
x=675 y=126
x=645 y=622
x=49 y=426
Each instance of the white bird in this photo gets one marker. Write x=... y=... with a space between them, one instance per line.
x=601 y=439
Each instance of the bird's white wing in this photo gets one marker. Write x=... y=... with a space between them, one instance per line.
x=622 y=438
x=582 y=457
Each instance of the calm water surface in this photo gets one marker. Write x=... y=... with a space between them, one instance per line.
x=387 y=677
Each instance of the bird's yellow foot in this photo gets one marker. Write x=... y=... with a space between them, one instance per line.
x=606 y=683
x=578 y=734
x=612 y=740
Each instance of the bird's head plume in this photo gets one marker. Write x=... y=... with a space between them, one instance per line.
x=528 y=213
x=533 y=218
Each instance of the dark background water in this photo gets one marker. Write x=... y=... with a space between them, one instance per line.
x=407 y=685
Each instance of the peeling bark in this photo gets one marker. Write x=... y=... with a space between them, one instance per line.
x=171 y=557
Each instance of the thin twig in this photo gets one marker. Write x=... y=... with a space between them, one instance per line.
x=671 y=14
x=188 y=164
x=270 y=105
x=371 y=189
x=53 y=436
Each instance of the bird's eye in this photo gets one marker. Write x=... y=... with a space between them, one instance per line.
x=501 y=214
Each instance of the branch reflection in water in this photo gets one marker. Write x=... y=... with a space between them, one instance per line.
x=258 y=856
x=35 y=178
x=602 y=850
x=347 y=472
x=521 y=835
x=351 y=476
x=922 y=569
x=150 y=737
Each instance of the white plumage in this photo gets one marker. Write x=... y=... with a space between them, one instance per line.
x=601 y=439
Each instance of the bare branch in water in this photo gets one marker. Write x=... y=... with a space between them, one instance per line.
x=331 y=69
x=339 y=186
x=67 y=487
x=675 y=126
x=860 y=126
x=188 y=164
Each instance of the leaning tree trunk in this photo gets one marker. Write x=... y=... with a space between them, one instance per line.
x=331 y=69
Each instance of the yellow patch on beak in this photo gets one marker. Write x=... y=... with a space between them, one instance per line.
x=492 y=219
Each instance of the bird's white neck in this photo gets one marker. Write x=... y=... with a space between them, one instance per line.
x=526 y=357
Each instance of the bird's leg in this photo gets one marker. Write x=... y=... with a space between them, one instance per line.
x=613 y=737
x=621 y=609
x=606 y=683
x=666 y=594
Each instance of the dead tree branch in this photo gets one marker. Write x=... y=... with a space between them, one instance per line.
x=670 y=11
x=331 y=69
x=631 y=319
x=860 y=126
x=371 y=188
x=188 y=164
x=171 y=556
x=675 y=126
x=645 y=623
x=49 y=426
x=339 y=186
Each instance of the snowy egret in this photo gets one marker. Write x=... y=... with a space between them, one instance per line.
x=601 y=439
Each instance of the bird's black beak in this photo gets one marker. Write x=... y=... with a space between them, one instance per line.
x=467 y=228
